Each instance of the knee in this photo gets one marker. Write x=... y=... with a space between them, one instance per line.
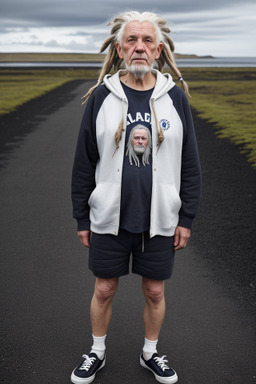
x=105 y=289
x=153 y=290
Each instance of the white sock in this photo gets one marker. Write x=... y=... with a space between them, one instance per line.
x=99 y=346
x=149 y=348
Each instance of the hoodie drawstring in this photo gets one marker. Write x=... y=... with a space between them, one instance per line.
x=159 y=128
x=143 y=242
x=121 y=127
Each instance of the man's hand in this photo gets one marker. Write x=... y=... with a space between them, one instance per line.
x=181 y=237
x=85 y=238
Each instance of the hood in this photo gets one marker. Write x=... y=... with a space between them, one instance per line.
x=112 y=82
x=163 y=84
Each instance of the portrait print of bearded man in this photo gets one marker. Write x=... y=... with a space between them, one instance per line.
x=139 y=145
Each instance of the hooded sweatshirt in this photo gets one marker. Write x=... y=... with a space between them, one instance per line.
x=98 y=164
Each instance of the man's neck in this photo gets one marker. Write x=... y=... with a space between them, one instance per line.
x=147 y=82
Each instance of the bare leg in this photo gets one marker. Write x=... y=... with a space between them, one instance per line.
x=101 y=305
x=154 y=310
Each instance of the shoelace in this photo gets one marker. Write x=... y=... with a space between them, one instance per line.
x=161 y=362
x=87 y=363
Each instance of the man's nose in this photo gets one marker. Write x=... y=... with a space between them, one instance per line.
x=140 y=46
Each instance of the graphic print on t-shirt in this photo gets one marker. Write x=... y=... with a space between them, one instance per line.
x=138 y=117
x=138 y=147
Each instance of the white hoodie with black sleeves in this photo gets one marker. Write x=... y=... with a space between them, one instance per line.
x=97 y=169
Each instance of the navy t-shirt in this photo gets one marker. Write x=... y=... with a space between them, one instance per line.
x=136 y=180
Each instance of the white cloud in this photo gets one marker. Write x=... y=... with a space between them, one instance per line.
x=225 y=31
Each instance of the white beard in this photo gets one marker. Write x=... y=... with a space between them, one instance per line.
x=139 y=149
x=138 y=71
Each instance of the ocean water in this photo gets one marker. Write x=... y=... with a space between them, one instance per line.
x=245 y=62
x=235 y=62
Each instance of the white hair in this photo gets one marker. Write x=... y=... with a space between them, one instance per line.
x=141 y=17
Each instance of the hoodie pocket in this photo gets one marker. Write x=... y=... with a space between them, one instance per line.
x=167 y=206
x=104 y=204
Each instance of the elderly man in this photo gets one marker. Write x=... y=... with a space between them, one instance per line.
x=124 y=209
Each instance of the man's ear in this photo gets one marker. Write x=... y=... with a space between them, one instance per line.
x=119 y=50
x=159 y=50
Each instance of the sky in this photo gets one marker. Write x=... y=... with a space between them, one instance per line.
x=220 y=28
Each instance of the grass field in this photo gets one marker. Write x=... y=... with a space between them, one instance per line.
x=225 y=97
x=51 y=57
x=18 y=86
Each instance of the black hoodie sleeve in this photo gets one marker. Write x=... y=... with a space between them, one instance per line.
x=190 y=188
x=83 y=174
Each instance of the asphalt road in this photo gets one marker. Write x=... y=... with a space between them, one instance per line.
x=46 y=287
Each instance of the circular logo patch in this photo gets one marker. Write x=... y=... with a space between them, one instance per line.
x=165 y=124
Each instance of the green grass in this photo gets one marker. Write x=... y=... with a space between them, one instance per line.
x=18 y=86
x=227 y=98
x=230 y=106
x=51 y=57
x=223 y=96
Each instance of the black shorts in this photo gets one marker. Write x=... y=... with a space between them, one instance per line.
x=109 y=255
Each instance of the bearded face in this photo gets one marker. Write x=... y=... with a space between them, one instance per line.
x=139 y=47
x=139 y=141
x=139 y=145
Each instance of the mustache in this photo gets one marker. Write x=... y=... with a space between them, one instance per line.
x=139 y=58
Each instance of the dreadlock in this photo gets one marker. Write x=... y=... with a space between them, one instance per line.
x=112 y=60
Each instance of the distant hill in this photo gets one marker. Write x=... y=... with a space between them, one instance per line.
x=191 y=56
x=69 y=57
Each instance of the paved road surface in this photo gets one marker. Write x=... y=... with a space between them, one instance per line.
x=46 y=286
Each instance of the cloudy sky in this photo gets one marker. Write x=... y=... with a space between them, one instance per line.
x=203 y=27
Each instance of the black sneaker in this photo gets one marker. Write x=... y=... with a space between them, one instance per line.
x=160 y=368
x=86 y=371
